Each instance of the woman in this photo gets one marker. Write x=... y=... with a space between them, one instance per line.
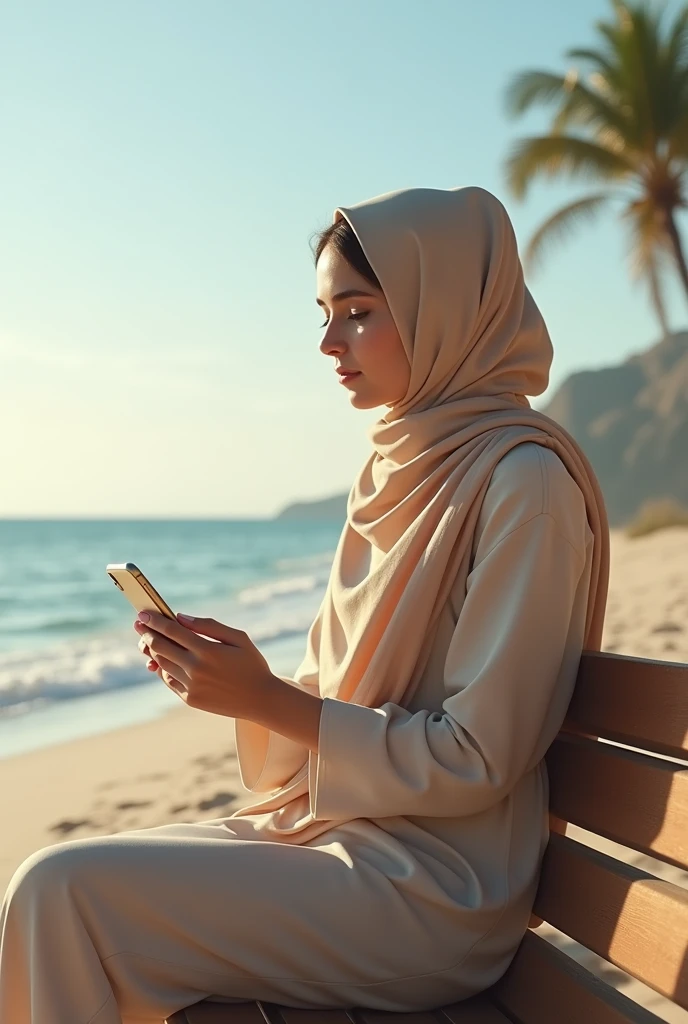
x=393 y=860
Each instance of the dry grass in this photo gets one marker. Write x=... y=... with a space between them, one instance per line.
x=656 y=515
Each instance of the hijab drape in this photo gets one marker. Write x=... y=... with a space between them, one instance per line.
x=477 y=345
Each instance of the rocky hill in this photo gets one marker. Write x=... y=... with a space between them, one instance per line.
x=631 y=420
x=327 y=508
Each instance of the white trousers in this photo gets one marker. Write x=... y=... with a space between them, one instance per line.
x=130 y=927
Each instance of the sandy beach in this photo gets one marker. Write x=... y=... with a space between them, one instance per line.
x=182 y=767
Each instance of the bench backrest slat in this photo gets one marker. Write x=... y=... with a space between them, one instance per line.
x=632 y=700
x=636 y=921
x=545 y=985
x=634 y=799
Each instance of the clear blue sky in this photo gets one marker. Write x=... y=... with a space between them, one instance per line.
x=163 y=166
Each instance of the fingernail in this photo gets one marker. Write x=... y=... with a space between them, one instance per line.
x=144 y=616
x=186 y=618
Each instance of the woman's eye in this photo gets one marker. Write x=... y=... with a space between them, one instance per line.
x=354 y=316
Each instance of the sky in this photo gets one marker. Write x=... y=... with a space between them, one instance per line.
x=164 y=165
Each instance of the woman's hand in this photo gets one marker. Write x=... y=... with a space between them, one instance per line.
x=225 y=675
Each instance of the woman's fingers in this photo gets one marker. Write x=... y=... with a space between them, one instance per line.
x=151 y=664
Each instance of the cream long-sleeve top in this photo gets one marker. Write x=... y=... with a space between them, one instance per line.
x=448 y=795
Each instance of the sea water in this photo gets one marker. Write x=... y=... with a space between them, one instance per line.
x=69 y=661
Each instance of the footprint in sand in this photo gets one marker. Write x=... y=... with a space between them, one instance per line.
x=219 y=800
x=128 y=805
x=65 y=827
x=214 y=761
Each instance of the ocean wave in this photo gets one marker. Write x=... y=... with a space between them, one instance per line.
x=261 y=593
x=65 y=625
x=104 y=662
x=323 y=558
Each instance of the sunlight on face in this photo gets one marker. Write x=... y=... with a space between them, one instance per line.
x=360 y=334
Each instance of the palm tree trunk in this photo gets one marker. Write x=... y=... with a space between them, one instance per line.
x=658 y=300
x=677 y=247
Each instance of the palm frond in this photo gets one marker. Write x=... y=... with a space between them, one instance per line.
x=677 y=147
x=650 y=257
x=600 y=62
x=551 y=155
x=672 y=102
x=530 y=87
x=647 y=231
x=676 y=45
x=589 y=107
x=561 y=224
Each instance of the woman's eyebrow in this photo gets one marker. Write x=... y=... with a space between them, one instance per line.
x=349 y=294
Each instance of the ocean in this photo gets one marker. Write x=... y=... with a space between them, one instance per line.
x=69 y=661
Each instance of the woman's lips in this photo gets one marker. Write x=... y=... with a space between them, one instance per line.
x=344 y=378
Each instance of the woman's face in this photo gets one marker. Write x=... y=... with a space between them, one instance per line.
x=360 y=334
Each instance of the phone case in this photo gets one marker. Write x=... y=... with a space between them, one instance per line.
x=139 y=591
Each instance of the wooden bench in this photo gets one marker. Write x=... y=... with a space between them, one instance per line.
x=626 y=915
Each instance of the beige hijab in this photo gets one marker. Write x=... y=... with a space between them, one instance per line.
x=477 y=344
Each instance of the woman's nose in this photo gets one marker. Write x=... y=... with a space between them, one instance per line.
x=329 y=345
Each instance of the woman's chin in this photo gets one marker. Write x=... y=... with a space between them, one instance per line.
x=367 y=399
x=363 y=401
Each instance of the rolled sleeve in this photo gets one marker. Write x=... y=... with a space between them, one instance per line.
x=267 y=760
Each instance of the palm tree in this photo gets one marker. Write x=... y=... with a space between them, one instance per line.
x=624 y=125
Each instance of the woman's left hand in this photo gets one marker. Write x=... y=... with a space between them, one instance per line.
x=225 y=675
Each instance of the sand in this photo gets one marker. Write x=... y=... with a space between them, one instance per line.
x=183 y=767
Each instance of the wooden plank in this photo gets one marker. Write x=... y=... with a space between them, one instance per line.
x=290 y=1015
x=543 y=985
x=219 y=1013
x=256 y=1012
x=637 y=701
x=628 y=916
x=633 y=799
x=389 y=1017
x=275 y=1014
x=478 y=1010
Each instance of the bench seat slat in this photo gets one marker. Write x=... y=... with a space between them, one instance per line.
x=254 y=1012
x=630 y=798
x=220 y=1013
x=636 y=701
x=544 y=985
x=478 y=1010
x=628 y=916
x=291 y=1015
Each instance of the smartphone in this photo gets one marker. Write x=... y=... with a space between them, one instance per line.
x=139 y=591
